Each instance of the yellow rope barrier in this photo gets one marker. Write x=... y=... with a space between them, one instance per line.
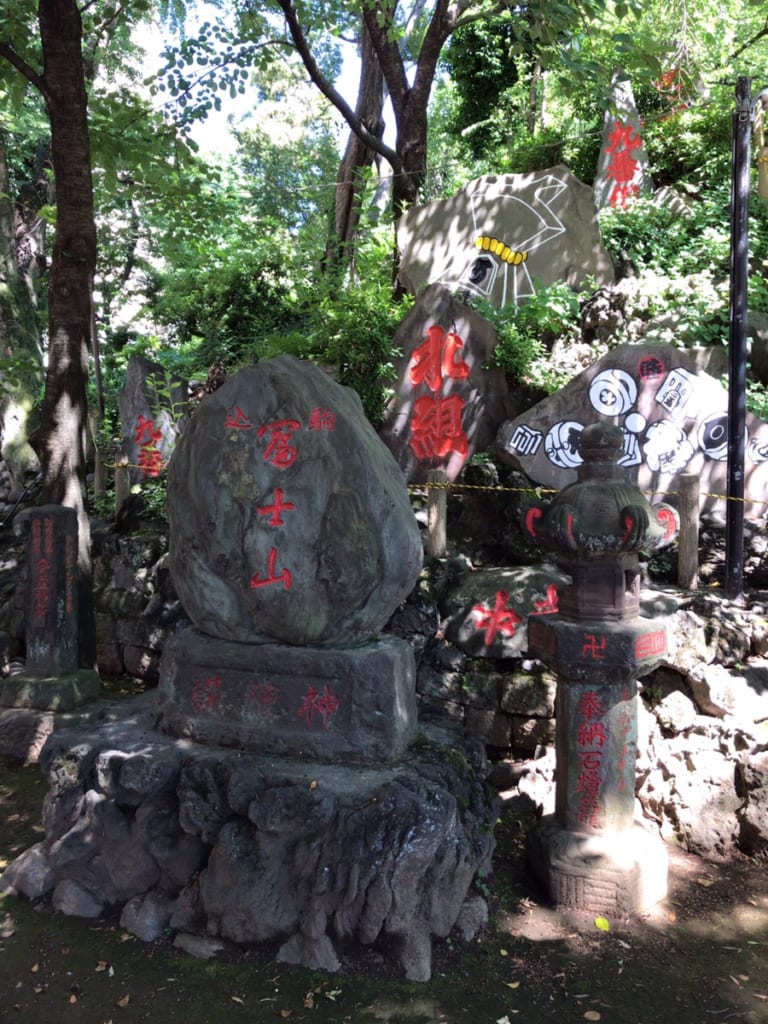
x=448 y=486
x=452 y=486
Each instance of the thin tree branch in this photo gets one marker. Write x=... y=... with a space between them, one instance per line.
x=32 y=76
x=750 y=42
x=325 y=87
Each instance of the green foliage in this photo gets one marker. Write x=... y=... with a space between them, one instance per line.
x=483 y=66
x=350 y=330
x=525 y=330
x=683 y=265
x=225 y=312
x=690 y=145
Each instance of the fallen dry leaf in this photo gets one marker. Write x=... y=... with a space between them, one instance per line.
x=35 y=968
x=73 y=998
x=706 y=882
x=591 y=1015
x=122 y=1003
x=102 y=965
x=237 y=999
x=313 y=784
x=759 y=995
x=285 y=1014
x=309 y=1001
x=503 y=952
x=513 y=984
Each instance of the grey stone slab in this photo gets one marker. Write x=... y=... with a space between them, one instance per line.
x=673 y=417
x=447 y=403
x=59 y=693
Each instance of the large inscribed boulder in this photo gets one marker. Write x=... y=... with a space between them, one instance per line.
x=674 y=418
x=153 y=408
x=622 y=168
x=290 y=520
x=447 y=404
x=501 y=233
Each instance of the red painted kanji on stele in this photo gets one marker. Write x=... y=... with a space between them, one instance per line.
x=593 y=647
x=590 y=738
x=260 y=700
x=436 y=429
x=436 y=425
x=274 y=575
x=435 y=359
x=279 y=451
x=498 y=619
x=623 y=142
x=322 y=419
x=147 y=436
x=323 y=705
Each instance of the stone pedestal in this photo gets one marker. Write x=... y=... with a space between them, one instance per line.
x=354 y=704
x=59 y=693
x=615 y=873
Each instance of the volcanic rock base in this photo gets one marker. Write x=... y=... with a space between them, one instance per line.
x=228 y=847
x=355 y=704
x=615 y=874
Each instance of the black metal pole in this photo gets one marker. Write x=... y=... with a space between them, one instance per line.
x=737 y=340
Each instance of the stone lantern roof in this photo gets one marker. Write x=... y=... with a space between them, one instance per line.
x=598 y=526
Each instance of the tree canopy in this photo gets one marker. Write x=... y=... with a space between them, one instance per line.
x=280 y=239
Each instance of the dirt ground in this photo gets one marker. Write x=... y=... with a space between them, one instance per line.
x=701 y=957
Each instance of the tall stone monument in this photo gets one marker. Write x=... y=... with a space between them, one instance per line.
x=292 y=542
x=51 y=680
x=592 y=854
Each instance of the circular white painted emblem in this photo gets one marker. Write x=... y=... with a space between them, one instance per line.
x=613 y=392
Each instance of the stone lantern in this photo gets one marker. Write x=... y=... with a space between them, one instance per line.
x=591 y=853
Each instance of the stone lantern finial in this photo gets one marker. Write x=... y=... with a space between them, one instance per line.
x=598 y=526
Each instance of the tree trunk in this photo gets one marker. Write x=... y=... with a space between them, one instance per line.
x=535 y=97
x=60 y=438
x=340 y=251
x=19 y=333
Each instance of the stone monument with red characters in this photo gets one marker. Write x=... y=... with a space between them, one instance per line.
x=272 y=792
x=51 y=679
x=292 y=543
x=591 y=853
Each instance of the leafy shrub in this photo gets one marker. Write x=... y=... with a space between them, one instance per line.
x=525 y=331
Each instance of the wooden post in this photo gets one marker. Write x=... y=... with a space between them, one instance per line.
x=437 y=512
x=688 y=542
x=122 y=482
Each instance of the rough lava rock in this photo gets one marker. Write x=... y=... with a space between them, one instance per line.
x=290 y=519
x=318 y=858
